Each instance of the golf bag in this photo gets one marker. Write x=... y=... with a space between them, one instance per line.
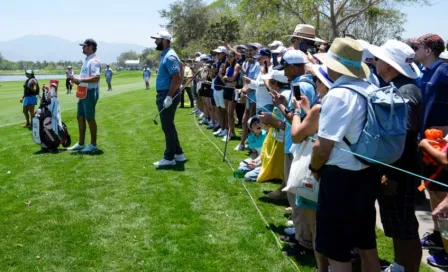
x=48 y=129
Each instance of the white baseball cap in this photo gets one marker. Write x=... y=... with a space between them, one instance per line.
x=398 y=55
x=367 y=56
x=444 y=55
x=321 y=72
x=292 y=57
x=276 y=75
x=220 y=49
x=280 y=50
x=162 y=35
x=275 y=43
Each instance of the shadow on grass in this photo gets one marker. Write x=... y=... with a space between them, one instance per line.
x=179 y=167
x=95 y=153
x=278 y=202
x=46 y=151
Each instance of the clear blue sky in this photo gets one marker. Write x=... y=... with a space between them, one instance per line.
x=134 y=21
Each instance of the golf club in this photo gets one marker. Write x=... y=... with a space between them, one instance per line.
x=154 y=120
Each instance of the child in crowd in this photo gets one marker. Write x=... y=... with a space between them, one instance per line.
x=251 y=166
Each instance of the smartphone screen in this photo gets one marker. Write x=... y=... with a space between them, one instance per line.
x=297 y=93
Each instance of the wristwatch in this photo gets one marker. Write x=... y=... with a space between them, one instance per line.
x=296 y=112
x=313 y=170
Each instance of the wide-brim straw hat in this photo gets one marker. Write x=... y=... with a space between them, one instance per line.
x=307 y=32
x=345 y=57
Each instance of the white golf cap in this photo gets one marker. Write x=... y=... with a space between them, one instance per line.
x=162 y=35
x=280 y=50
x=276 y=75
x=321 y=72
x=221 y=49
x=197 y=54
x=292 y=57
x=398 y=55
x=444 y=55
x=275 y=43
x=367 y=56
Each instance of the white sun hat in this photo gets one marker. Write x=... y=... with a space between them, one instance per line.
x=398 y=55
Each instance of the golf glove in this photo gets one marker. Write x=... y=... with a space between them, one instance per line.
x=167 y=102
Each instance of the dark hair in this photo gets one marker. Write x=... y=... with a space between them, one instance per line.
x=282 y=85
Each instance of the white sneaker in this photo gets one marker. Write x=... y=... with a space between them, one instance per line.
x=203 y=122
x=239 y=147
x=210 y=125
x=201 y=115
x=290 y=231
x=290 y=223
x=228 y=137
x=222 y=133
x=164 y=162
x=216 y=133
x=180 y=158
x=76 y=147
x=90 y=148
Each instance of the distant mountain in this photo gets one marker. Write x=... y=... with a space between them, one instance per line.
x=52 y=48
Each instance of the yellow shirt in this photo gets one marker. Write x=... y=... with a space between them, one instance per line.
x=188 y=74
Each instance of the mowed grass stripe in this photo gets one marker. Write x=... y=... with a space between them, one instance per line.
x=116 y=212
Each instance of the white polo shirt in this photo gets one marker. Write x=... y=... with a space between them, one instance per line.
x=91 y=67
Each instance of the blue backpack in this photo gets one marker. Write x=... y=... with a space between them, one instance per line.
x=384 y=134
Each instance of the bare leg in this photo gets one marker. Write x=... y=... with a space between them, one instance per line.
x=93 y=131
x=31 y=111
x=231 y=116
x=408 y=253
x=244 y=130
x=341 y=267
x=322 y=261
x=435 y=197
x=27 y=116
x=82 y=129
x=370 y=261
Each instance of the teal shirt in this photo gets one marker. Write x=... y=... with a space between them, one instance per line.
x=169 y=65
x=256 y=142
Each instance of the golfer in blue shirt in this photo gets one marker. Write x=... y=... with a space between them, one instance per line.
x=168 y=82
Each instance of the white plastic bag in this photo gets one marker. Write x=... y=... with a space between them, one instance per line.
x=300 y=181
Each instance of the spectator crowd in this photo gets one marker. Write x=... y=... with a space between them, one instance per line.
x=304 y=109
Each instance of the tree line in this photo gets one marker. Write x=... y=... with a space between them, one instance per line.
x=198 y=26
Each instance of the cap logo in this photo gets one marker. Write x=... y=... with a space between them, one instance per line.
x=342 y=60
x=409 y=60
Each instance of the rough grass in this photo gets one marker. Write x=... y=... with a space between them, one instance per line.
x=115 y=212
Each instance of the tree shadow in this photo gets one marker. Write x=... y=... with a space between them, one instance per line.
x=47 y=151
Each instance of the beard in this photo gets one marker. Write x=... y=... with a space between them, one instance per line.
x=159 y=46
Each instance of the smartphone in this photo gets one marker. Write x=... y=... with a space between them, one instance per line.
x=297 y=93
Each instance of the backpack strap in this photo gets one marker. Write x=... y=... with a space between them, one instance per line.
x=307 y=80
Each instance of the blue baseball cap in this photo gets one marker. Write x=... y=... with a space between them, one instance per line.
x=264 y=52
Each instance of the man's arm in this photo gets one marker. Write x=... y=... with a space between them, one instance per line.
x=321 y=153
x=175 y=83
x=92 y=79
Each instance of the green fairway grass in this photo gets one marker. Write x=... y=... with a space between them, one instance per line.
x=115 y=212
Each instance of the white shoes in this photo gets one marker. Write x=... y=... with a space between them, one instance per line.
x=76 y=147
x=180 y=158
x=203 y=122
x=216 y=133
x=227 y=138
x=164 y=162
x=222 y=133
x=239 y=147
x=89 y=149
x=211 y=125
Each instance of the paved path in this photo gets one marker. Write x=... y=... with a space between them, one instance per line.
x=425 y=225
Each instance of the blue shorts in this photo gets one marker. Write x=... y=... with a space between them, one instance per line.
x=30 y=100
x=86 y=106
x=251 y=98
x=108 y=80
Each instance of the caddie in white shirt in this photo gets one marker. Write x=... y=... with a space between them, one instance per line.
x=88 y=94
